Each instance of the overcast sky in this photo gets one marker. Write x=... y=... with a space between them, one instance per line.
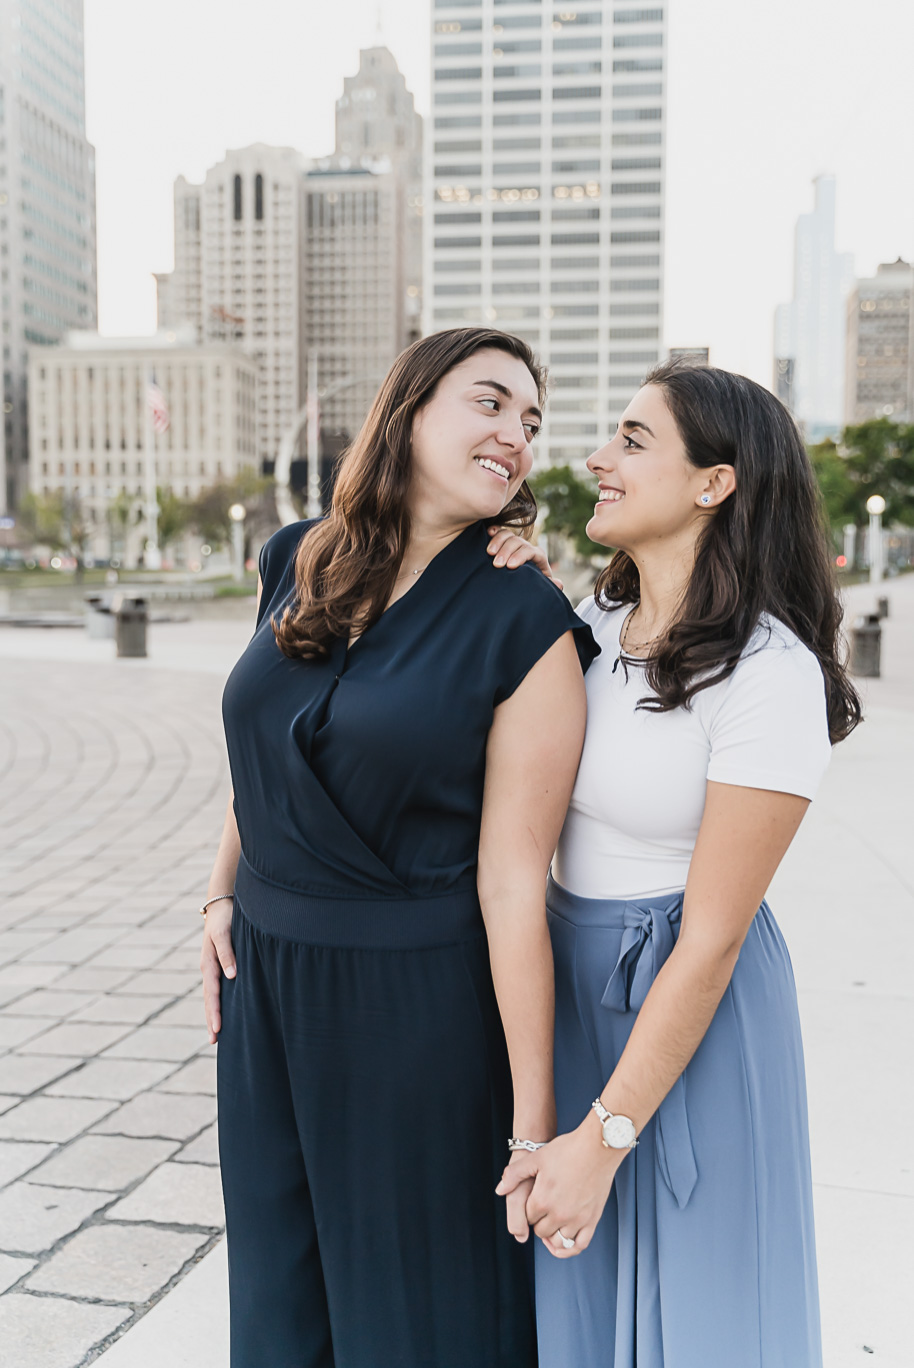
x=763 y=96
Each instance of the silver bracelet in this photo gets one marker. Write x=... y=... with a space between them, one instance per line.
x=220 y=897
x=531 y=1145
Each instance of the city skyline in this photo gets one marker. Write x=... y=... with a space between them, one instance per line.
x=745 y=139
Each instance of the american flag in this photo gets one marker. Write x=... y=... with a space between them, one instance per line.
x=161 y=418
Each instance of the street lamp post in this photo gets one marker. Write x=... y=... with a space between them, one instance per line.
x=875 y=506
x=238 y=513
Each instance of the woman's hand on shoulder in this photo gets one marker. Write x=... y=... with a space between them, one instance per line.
x=510 y=550
x=217 y=957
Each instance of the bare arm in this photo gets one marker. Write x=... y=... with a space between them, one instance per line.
x=743 y=838
x=217 y=957
x=532 y=758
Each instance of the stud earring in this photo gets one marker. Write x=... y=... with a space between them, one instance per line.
x=706 y=498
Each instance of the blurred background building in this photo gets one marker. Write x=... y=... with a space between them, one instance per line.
x=91 y=432
x=880 y=346
x=363 y=244
x=239 y=274
x=294 y=259
x=696 y=356
x=47 y=205
x=809 y=330
x=545 y=192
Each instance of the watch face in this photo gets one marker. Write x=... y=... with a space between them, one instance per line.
x=618 y=1132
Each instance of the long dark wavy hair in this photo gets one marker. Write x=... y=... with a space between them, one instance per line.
x=765 y=549
x=345 y=569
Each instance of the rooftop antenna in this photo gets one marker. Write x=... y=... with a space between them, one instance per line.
x=379 y=26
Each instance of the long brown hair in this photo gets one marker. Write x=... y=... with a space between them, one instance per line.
x=346 y=567
x=765 y=550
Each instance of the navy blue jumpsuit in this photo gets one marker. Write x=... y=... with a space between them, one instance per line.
x=364 y=1089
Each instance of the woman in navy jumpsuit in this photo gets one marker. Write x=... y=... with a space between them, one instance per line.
x=364 y=1083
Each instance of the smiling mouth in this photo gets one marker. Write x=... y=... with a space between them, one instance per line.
x=494 y=466
x=610 y=496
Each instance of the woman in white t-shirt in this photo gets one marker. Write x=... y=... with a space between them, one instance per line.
x=711 y=714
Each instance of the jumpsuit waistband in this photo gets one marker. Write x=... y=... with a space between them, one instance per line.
x=372 y=923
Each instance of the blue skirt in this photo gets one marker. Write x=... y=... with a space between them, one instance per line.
x=705 y=1254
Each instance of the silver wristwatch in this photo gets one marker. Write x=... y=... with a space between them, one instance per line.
x=618 y=1131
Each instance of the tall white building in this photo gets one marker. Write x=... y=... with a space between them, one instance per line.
x=91 y=437
x=545 y=176
x=238 y=274
x=47 y=205
x=809 y=330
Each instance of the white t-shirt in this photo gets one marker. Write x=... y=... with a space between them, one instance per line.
x=640 y=791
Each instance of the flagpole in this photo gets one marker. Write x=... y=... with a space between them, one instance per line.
x=152 y=557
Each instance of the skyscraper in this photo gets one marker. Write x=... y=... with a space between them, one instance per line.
x=880 y=346
x=809 y=331
x=363 y=242
x=47 y=204
x=238 y=273
x=292 y=257
x=545 y=178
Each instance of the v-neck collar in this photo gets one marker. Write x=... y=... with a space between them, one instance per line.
x=429 y=575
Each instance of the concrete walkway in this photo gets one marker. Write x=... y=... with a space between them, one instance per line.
x=111 y=800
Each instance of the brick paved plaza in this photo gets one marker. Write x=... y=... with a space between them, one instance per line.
x=112 y=792
x=112 y=796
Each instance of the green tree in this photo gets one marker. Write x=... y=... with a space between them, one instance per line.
x=879 y=459
x=175 y=515
x=839 y=494
x=208 y=514
x=876 y=457
x=43 y=516
x=569 y=503
x=57 y=520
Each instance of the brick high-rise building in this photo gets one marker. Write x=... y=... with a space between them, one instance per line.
x=880 y=346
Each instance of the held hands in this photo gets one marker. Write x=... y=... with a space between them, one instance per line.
x=571 y=1180
x=512 y=551
x=217 y=957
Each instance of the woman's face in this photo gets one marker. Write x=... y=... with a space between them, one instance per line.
x=649 y=489
x=471 y=443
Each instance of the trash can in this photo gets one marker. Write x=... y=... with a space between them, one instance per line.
x=99 y=618
x=130 y=631
x=866 y=642
x=882 y=606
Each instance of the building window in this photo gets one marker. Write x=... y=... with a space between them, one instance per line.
x=630 y=40
x=638 y=16
x=237 y=199
x=592 y=92
x=258 y=197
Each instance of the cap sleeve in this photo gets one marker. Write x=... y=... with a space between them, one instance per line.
x=276 y=563
x=540 y=615
x=770 y=729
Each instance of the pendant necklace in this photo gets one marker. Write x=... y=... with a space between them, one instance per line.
x=623 y=638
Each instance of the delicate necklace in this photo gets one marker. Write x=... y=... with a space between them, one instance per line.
x=623 y=638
